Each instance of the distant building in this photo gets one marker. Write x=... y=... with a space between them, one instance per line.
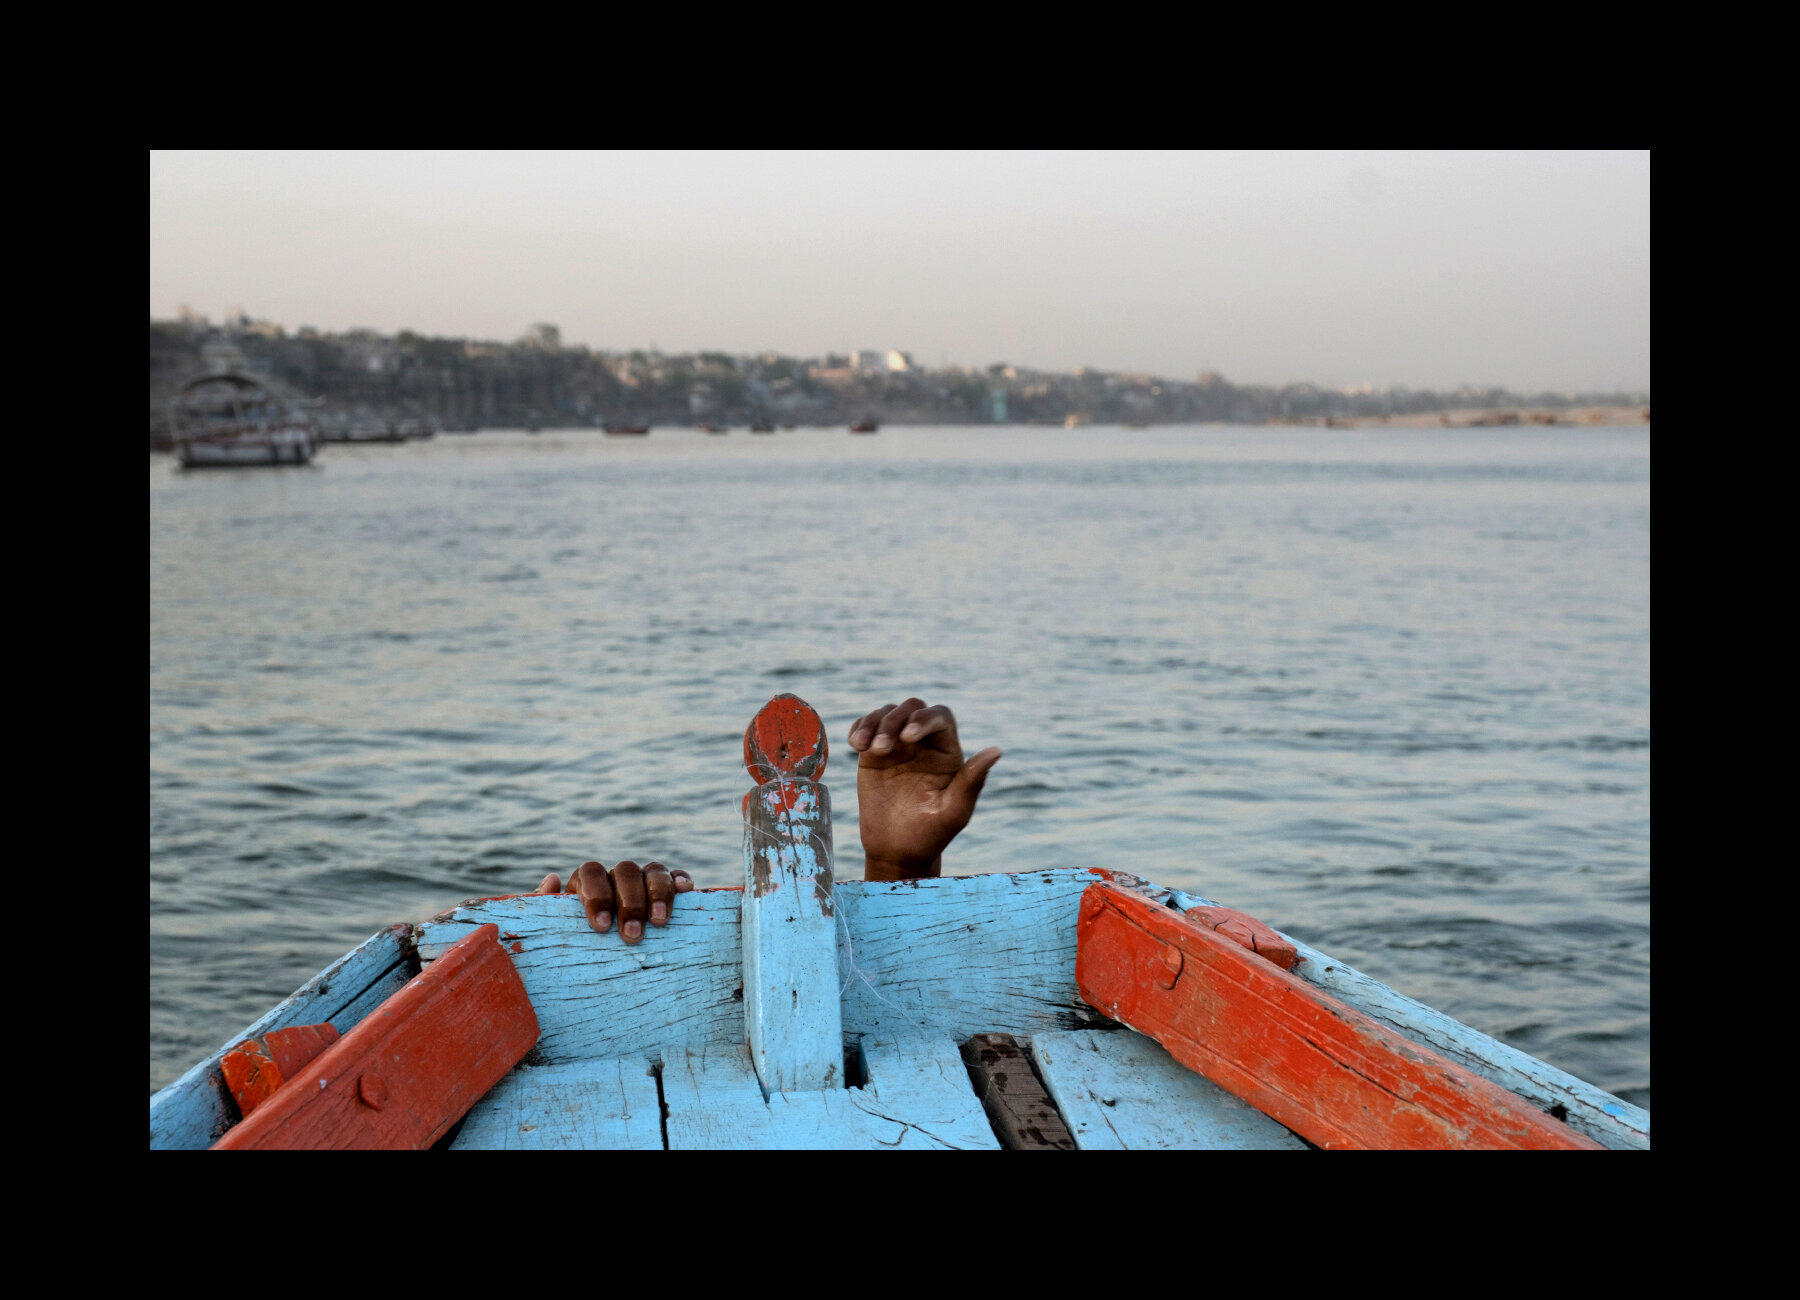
x=997 y=402
x=898 y=360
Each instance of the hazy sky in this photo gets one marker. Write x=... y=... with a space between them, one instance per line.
x=1425 y=269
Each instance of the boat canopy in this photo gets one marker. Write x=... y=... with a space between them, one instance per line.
x=236 y=378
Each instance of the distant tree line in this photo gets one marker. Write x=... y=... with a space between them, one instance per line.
x=536 y=381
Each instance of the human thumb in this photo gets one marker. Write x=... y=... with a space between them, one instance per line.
x=965 y=786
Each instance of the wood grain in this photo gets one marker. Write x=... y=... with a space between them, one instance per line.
x=1314 y=1064
x=1021 y=1112
x=1587 y=1109
x=598 y=998
x=962 y=955
x=412 y=1068
x=1247 y=932
x=916 y=1097
x=256 y=1067
x=195 y=1111
x=1121 y=1091
x=580 y=1106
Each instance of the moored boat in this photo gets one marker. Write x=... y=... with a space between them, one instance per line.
x=865 y=425
x=618 y=430
x=227 y=418
x=1043 y=1009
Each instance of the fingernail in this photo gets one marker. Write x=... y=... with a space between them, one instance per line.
x=659 y=912
x=882 y=742
x=634 y=930
x=911 y=733
x=861 y=737
x=603 y=921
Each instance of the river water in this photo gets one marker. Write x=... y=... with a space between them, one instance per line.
x=1386 y=689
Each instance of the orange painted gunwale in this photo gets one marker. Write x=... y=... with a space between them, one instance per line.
x=412 y=1067
x=1330 y=1073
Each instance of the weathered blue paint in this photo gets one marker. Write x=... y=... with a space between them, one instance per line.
x=917 y=1097
x=193 y=1112
x=922 y=965
x=962 y=955
x=791 y=1014
x=581 y=1106
x=597 y=997
x=1121 y=1091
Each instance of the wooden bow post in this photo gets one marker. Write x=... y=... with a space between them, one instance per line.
x=791 y=1009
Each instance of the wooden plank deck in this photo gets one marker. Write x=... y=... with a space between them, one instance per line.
x=1121 y=1091
x=1022 y=1114
x=195 y=1111
x=917 y=1097
x=579 y=1106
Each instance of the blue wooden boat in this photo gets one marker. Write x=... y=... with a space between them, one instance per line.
x=1047 y=1009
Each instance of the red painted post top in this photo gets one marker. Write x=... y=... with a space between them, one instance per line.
x=785 y=739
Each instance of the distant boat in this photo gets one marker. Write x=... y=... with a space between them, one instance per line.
x=228 y=418
x=790 y=427
x=707 y=426
x=865 y=425
x=762 y=426
x=618 y=430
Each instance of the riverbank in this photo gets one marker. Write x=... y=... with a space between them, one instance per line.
x=1485 y=417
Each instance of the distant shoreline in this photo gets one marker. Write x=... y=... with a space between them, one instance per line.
x=1473 y=418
